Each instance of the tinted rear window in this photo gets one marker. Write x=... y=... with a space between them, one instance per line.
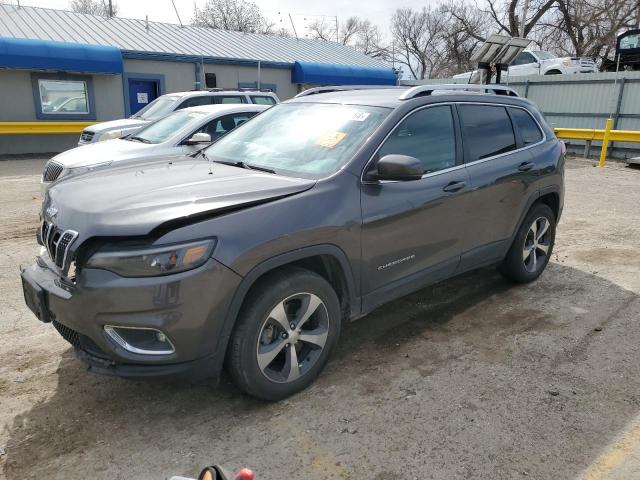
x=526 y=125
x=262 y=100
x=228 y=99
x=487 y=131
x=195 y=102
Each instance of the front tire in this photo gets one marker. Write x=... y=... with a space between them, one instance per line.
x=284 y=334
x=532 y=247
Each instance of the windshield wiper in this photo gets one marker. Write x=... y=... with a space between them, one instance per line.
x=248 y=166
x=139 y=139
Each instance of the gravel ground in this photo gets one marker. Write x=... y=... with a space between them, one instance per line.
x=472 y=378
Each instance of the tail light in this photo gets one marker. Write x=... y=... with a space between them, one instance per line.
x=563 y=147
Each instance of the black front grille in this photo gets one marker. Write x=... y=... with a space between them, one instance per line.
x=68 y=334
x=52 y=171
x=57 y=243
x=87 y=136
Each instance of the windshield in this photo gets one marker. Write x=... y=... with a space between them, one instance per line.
x=630 y=41
x=542 y=55
x=163 y=129
x=303 y=139
x=160 y=107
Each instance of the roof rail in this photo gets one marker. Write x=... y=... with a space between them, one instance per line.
x=339 y=88
x=220 y=89
x=425 y=90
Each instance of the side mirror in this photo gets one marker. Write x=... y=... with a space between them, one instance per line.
x=399 y=167
x=198 y=138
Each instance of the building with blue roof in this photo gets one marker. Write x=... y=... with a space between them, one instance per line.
x=58 y=65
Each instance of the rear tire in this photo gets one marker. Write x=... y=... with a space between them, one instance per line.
x=532 y=247
x=284 y=334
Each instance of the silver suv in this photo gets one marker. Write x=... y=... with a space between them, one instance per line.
x=164 y=105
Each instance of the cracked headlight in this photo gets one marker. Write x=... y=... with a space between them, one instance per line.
x=156 y=261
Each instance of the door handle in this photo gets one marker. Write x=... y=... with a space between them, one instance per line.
x=526 y=166
x=454 y=186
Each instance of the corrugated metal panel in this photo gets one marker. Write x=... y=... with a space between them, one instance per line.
x=165 y=38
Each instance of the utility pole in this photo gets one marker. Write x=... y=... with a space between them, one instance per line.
x=294 y=27
x=523 y=19
x=110 y=9
x=337 y=37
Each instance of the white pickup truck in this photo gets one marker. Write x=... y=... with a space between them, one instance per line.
x=539 y=62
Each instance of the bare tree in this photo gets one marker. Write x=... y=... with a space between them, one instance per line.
x=322 y=29
x=236 y=15
x=420 y=40
x=355 y=32
x=590 y=27
x=94 y=7
x=506 y=16
x=369 y=41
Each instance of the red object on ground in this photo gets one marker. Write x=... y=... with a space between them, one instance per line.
x=244 y=474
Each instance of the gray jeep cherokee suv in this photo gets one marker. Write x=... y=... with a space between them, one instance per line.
x=251 y=254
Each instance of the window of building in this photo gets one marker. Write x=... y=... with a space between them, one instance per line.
x=62 y=97
x=487 y=131
x=427 y=135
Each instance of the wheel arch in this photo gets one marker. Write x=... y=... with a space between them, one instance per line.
x=328 y=261
x=550 y=196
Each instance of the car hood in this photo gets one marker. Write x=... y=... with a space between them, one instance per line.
x=123 y=123
x=101 y=152
x=136 y=200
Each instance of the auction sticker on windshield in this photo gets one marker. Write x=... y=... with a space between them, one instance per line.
x=358 y=115
x=330 y=139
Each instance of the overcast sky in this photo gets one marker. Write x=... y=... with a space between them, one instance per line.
x=278 y=10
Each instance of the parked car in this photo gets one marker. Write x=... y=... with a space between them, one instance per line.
x=166 y=104
x=315 y=212
x=627 y=53
x=539 y=62
x=180 y=133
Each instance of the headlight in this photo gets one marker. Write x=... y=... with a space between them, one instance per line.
x=110 y=135
x=69 y=172
x=155 y=261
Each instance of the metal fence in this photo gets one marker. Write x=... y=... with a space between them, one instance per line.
x=581 y=101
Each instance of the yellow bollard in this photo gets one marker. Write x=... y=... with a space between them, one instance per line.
x=605 y=142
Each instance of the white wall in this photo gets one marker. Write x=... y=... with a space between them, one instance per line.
x=228 y=76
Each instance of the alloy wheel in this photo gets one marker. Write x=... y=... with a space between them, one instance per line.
x=536 y=245
x=292 y=337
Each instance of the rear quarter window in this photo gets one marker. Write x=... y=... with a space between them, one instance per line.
x=487 y=131
x=526 y=126
x=228 y=99
x=262 y=100
x=194 y=102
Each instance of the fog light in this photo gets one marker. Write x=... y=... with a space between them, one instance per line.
x=144 y=341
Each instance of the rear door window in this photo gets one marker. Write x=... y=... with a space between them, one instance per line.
x=229 y=99
x=427 y=135
x=195 y=102
x=487 y=131
x=218 y=127
x=262 y=100
x=526 y=126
